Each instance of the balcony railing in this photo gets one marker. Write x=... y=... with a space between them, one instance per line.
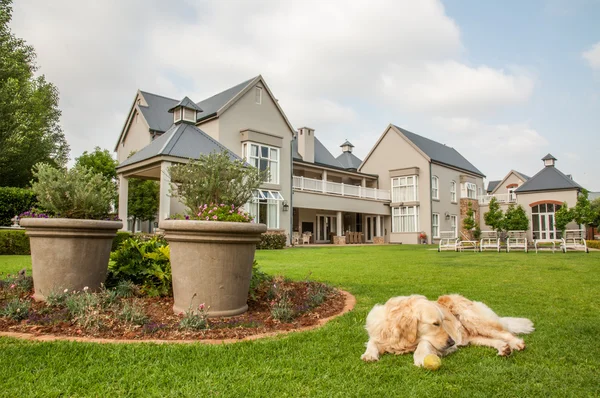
x=501 y=198
x=335 y=188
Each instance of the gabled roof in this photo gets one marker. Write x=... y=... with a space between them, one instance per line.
x=525 y=177
x=440 y=153
x=186 y=103
x=349 y=161
x=157 y=112
x=182 y=141
x=548 y=179
x=492 y=185
x=212 y=105
x=500 y=183
x=322 y=155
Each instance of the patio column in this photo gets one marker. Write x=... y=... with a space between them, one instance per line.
x=363 y=183
x=123 y=198
x=324 y=180
x=164 y=208
x=338 y=224
x=378 y=226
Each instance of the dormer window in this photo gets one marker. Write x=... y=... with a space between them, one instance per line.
x=185 y=111
x=176 y=115
x=189 y=114
x=258 y=95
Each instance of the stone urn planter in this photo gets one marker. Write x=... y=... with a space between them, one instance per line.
x=68 y=253
x=211 y=263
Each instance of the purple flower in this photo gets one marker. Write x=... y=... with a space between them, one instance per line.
x=214 y=217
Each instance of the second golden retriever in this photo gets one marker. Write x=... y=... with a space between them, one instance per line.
x=414 y=324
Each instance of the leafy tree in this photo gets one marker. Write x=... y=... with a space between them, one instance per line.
x=215 y=179
x=562 y=217
x=143 y=199
x=516 y=219
x=582 y=212
x=29 y=114
x=495 y=216
x=469 y=223
x=595 y=207
x=100 y=161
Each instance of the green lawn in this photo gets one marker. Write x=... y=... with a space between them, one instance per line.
x=559 y=292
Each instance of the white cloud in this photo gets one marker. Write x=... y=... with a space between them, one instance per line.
x=333 y=65
x=592 y=56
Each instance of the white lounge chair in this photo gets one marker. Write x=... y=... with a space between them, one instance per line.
x=467 y=244
x=516 y=240
x=574 y=239
x=448 y=241
x=548 y=243
x=489 y=240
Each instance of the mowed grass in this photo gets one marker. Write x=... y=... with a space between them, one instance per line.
x=559 y=292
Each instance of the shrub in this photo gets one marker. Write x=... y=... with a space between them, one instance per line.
x=15 y=286
x=281 y=309
x=133 y=313
x=272 y=241
x=74 y=193
x=120 y=238
x=317 y=293
x=257 y=280
x=515 y=219
x=214 y=212
x=594 y=244
x=195 y=320
x=14 y=201
x=14 y=242
x=16 y=309
x=145 y=263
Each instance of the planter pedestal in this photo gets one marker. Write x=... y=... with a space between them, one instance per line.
x=211 y=263
x=68 y=253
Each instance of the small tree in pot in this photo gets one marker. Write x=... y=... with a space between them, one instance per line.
x=212 y=261
x=70 y=243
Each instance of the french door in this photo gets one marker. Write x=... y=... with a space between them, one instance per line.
x=542 y=221
x=325 y=225
x=370 y=228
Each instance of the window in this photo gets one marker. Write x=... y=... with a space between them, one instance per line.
x=435 y=192
x=405 y=219
x=258 y=95
x=435 y=225
x=453 y=191
x=189 y=114
x=479 y=192
x=453 y=224
x=471 y=190
x=264 y=207
x=177 y=115
x=542 y=221
x=263 y=157
x=404 y=189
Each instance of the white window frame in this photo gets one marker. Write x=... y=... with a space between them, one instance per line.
x=258 y=95
x=401 y=189
x=470 y=187
x=454 y=224
x=269 y=198
x=435 y=190
x=193 y=114
x=177 y=112
x=453 y=191
x=273 y=163
x=404 y=212
x=435 y=225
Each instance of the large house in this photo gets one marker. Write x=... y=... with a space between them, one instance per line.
x=406 y=186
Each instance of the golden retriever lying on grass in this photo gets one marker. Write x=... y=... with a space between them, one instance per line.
x=414 y=324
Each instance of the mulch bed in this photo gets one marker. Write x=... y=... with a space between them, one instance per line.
x=163 y=324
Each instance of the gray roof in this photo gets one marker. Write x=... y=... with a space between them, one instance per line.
x=548 y=157
x=347 y=143
x=322 y=155
x=548 y=179
x=211 y=105
x=181 y=140
x=492 y=185
x=526 y=177
x=440 y=153
x=349 y=161
x=187 y=103
x=157 y=112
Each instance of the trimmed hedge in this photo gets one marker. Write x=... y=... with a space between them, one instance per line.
x=594 y=244
x=272 y=240
x=14 y=242
x=14 y=201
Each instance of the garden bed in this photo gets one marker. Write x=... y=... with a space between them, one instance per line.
x=278 y=306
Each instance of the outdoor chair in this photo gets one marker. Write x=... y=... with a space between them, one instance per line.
x=574 y=239
x=489 y=240
x=467 y=244
x=306 y=237
x=448 y=241
x=516 y=240
x=296 y=238
x=541 y=244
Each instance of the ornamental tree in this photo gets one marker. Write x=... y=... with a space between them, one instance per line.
x=100 y=161
x=495 y=216
x=562 y=217
x=582 y=212
x=515 y=219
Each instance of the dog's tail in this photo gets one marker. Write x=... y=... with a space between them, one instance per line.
x=517 y=325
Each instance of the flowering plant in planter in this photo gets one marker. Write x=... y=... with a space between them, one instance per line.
x=220 y=212
x=71 y=240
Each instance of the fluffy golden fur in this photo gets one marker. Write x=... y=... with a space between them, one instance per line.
x=414 y=324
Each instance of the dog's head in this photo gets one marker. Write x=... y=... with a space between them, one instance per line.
x=417 y=319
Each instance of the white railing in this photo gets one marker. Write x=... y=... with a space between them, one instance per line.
x=501 y=198
x=336 y=188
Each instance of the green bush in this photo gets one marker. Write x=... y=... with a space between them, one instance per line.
x=272 y=241
x=120 y=238
x=594 y=244
x=144 y=262
x=14 y=201
x=14 y=242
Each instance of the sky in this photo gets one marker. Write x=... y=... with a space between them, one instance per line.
x=503 y=82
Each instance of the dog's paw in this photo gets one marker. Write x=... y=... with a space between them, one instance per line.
x=517 y=344
x=367 y=357
x=504 y=351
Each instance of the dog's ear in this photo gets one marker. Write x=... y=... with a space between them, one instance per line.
x=446 y=301
x=404 y=320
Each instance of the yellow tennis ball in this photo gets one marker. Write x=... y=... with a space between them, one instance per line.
x=432 y=362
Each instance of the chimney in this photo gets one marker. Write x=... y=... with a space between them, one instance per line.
x=306 y=144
